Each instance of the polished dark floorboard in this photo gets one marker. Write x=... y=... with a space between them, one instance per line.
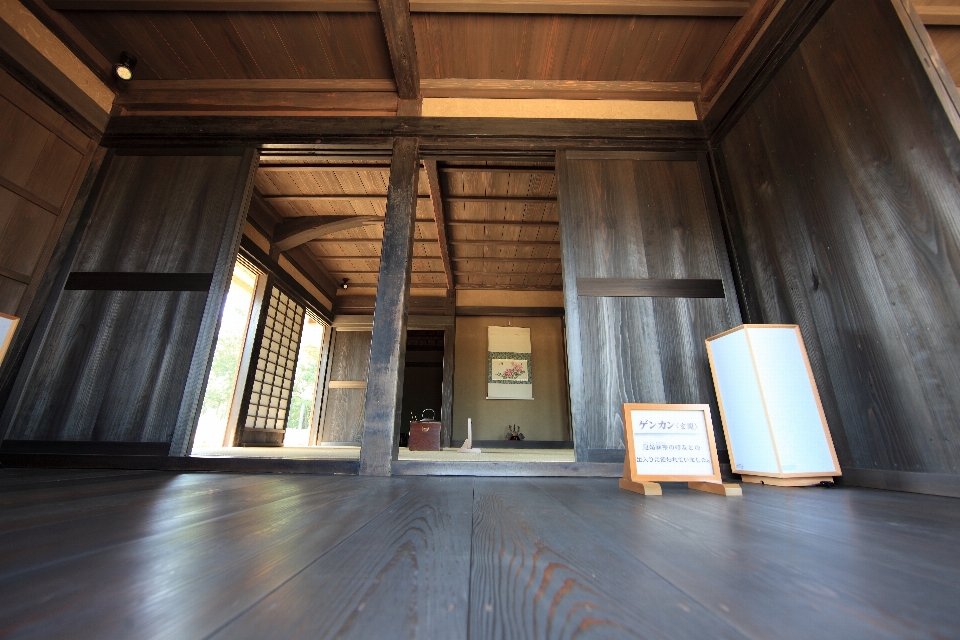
x=86 y=554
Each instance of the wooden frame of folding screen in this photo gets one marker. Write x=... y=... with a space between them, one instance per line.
x=641 y=291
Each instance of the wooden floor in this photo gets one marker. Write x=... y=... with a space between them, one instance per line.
x=177 y=556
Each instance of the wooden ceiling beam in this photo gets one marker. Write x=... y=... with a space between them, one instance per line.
x=454 y=259
x=734 y=46
x=558 y=89
x=332 y=168
x=343 y=197
x=331 y=197
x=508 y=199
x=508 y=243
x=494 y=223
x=398 y=28
x=936 y=15
x=362 y=241
x=771 y=43
x=692 y=8
x=413 y=272
x=709 y=8
x=296 y=232
x=436 y=197
x=482 y=259
x=481 y=169
x=78 y=44
x=313 y=6
x=445 y=138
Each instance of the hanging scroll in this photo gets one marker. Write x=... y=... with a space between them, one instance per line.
x=509 y=374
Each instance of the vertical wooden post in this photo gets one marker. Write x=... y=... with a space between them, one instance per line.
x=446 y=410
x=388 y=345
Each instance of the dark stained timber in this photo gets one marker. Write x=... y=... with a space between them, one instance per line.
x=650 y=288
x=634 y=230
x=266 y=556
x=128 y=366
x=388 y=346
x=853 y=234
x=446 y=133
x=101 y=281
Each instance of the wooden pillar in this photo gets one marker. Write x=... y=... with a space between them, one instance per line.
x=446 y=410
x=388 y=345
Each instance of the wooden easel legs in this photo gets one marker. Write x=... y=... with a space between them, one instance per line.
x=643 y=488
x=727 y=489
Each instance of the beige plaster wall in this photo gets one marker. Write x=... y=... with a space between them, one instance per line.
x=546 y=417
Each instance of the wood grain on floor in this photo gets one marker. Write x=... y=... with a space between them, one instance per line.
x=163 y=555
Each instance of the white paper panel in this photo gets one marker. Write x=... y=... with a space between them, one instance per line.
x=792 y=408
x=746 y=423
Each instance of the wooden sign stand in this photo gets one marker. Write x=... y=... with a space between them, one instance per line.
x=643 y=488
x=647 y=485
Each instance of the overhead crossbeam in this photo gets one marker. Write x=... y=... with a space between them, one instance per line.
x=706 y=8
x=296 y=232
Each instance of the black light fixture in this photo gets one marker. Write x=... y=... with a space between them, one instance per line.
x=344 y=285
x=124 y=69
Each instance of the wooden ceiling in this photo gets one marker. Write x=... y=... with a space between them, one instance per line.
x=486 y=225
x=366 y=58
x=481 y=224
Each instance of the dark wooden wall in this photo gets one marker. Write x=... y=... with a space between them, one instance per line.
x=43 y=160
x=844 y=180
x=115 y=365
x=343 y=409
x=651 y=217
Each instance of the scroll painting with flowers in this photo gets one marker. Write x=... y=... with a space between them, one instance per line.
x=509 y=373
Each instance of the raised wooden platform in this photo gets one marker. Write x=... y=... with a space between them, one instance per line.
x=108 y=554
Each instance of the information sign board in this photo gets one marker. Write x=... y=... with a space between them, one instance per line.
x=670 y=443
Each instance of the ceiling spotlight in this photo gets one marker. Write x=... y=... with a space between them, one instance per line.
x=124 y=68
x=344 y=285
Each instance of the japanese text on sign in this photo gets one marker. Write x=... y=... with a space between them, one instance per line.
x=670 y=443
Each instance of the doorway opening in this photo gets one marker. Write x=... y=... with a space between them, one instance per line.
x=221 y=392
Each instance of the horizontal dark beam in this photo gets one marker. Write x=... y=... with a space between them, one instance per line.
x=507 y=223
x=333 y=197
x=514 y=169
x=138 y=281
x=308 y=85
x=507 y=199
x=258 y=102
x=508 y=287
x=507 y=243
x=482 y=259
x=454 y=258
x=414 y=271
x=706 y=8
x=438 y=134
x=510 y=311
x=374 y=241
x=363 y=6
x=311 y=168
x=558 y=89
x=649 y=288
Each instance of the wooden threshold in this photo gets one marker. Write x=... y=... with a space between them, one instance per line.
x=522 y=469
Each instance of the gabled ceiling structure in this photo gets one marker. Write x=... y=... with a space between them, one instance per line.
x=483 y=222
